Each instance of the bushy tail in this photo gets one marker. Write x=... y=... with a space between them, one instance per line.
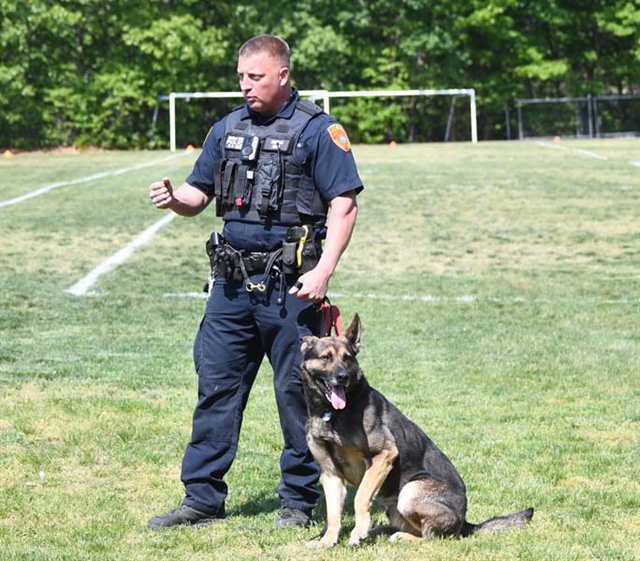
x=517 y=520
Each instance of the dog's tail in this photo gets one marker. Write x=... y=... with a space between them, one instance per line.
x=516 y=520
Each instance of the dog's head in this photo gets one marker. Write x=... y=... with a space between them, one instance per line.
x=330 y=367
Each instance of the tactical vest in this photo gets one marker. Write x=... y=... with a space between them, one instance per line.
x=260 y=179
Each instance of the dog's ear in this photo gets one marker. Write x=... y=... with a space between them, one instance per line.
x=308 y=343
x=353 y=333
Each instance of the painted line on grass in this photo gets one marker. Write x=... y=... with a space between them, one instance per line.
x=82 y=287
x=634 y=163
x=428 y=298
x=576 y=150
x=88 y=178
x=470 y=298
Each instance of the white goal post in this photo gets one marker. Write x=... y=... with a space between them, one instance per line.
x=324 y=95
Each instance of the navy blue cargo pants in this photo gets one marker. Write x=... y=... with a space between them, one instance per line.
x=237 y=330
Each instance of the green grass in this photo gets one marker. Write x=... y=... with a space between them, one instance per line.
x=499 y=289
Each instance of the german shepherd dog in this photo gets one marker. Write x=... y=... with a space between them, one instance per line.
x=358 y=436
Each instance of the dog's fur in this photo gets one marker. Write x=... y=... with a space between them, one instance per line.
x=358 y=436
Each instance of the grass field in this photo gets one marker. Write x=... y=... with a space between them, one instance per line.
x=499 y=287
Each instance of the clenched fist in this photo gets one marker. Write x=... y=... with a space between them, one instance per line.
x=161 y=193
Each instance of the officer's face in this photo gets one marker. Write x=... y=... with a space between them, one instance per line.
x=263 y=82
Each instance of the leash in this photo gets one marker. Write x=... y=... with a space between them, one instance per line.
x=331 y=319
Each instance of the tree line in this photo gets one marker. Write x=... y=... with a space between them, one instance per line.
x=89 y=72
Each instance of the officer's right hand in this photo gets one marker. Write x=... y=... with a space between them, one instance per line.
x=161 y=193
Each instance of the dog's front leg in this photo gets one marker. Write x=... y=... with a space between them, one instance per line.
x=373 y=479
x=335 y=493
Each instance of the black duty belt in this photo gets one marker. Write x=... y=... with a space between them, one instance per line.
x=256 y=262
x=298 y=254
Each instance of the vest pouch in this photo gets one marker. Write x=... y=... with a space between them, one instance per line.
x=242 y=187
x=289 y=257
x=268 y=186
x=217 y=179
x=225 y=175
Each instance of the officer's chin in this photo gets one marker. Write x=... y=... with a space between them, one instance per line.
x=258 y=107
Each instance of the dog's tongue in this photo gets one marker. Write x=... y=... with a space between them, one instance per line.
x=338 y=398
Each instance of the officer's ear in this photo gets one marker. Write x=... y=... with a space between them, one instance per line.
x=284 y=75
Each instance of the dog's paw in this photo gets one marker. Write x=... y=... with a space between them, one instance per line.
x=320 y=544
x=403 y=536
x=358 y=536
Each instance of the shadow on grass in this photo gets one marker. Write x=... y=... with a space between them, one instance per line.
x=264 y=502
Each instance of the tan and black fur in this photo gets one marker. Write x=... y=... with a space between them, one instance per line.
x=358 y=436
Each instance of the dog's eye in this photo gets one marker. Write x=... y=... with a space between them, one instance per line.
x=325 y=357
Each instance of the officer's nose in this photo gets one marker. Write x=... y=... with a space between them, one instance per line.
x=245 y=85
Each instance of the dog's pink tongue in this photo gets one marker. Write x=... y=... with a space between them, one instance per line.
x=338 y=398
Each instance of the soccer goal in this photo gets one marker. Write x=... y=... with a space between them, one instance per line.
x=324 y=96
x=579 y=117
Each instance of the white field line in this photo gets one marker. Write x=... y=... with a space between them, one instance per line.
x=576 y=150
x=463 y=299
x=470 y=298
x=88 y=178
x=81 y=288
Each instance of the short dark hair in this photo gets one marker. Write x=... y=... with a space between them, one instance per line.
x=273 y=45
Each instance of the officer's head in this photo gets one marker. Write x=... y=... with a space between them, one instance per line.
x=263 y=71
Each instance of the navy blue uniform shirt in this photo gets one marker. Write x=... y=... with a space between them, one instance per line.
x=323 y=144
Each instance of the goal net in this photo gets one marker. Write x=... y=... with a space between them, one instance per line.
x=579 y=117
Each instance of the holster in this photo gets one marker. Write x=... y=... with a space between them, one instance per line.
x=224 y=260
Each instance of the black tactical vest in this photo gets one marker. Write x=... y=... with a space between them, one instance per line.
x=260 y=178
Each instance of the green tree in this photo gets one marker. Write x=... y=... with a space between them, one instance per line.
x=88 y=72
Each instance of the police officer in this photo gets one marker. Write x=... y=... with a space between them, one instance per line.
x=276 y=167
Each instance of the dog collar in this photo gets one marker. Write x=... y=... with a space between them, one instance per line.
x=326 y=417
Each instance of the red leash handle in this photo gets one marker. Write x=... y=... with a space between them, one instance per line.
x=332 y=319
x=337 y=320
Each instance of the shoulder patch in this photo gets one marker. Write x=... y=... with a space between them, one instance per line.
x=339 y=137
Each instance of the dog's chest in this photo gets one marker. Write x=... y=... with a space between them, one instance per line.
x=346 y=450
